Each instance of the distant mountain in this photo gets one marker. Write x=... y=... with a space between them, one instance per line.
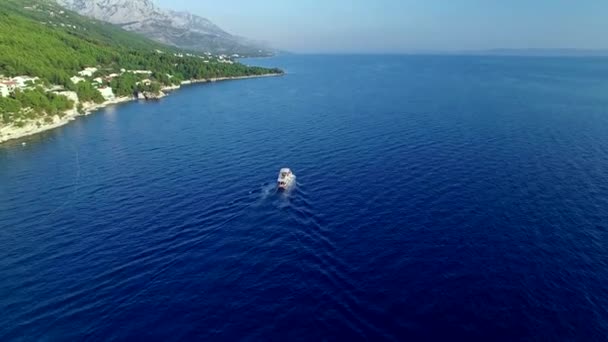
x=180 y=29
x=564 y=52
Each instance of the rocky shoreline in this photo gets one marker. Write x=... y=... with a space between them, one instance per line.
x=12 y=132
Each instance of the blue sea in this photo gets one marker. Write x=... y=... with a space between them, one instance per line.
x=438 y=198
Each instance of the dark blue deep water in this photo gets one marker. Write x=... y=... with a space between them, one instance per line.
x=438 y=198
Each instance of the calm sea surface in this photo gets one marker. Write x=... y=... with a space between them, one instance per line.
x=438 y=198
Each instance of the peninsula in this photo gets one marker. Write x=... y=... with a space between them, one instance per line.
x=57 y=65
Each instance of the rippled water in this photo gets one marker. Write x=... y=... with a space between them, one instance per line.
x=437 y=198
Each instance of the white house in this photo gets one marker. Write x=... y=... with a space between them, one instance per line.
x=22 y=80
x=87 y=72
x=140 y=72
x=77 y=79
x=110 y=77
x=145 y=82
x=4 y=90
x=7 y=87
x=107 y=93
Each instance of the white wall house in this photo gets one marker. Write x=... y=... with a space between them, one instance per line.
x=22 y=80
x=7 y=87
x=4 y=90
x=87 y=72
x=107 y=93
x=77 y=79
x=140 y=72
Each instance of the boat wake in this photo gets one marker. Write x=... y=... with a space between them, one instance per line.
x=267 y=190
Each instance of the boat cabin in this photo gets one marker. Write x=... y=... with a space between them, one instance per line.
x=284 y=173
x=286 y=177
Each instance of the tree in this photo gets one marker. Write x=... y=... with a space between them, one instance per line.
x=32 y=46
x=87 y=93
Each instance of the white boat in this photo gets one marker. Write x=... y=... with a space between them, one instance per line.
x=286 y=179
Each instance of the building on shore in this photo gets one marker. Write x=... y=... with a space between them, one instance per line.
x=140 y=72
x=146 y=82
x=23 y=81
x=107 y=93
x=87 y=72
x=7 y=87
x=4 y=90
x=77 y=79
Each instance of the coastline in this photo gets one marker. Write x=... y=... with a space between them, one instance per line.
x=12 y=132
x=218 y=79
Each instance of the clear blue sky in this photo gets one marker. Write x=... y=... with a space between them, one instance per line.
x=409 y=25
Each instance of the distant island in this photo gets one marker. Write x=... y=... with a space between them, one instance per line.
x=56 y=65
x=536 y=52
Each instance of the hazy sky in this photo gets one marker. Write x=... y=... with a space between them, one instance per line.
x=409 y=25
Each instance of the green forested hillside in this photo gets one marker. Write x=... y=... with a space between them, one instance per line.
x=39 y=38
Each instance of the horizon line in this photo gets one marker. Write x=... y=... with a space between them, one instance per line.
x=523 y=52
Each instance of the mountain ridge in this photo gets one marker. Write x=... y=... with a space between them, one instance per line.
x=177 y=28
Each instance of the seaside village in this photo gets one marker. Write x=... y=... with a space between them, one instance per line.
x=100 y=79
x=9 y=85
